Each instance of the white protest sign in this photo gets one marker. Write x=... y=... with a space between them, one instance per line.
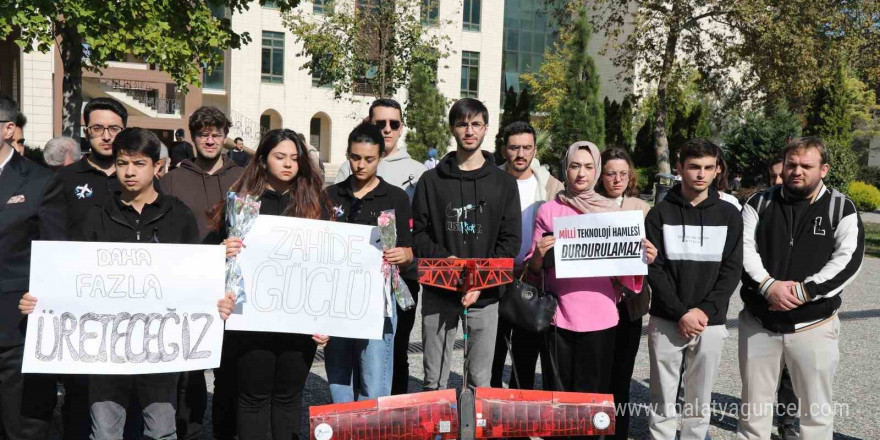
x=599 y=245
x=124 y=308
x=311 y=277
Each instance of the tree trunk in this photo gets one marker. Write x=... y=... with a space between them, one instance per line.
x=661 y=143
x=71 y=86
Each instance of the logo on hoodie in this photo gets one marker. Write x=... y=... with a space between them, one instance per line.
x=457 y=219
x=82 y=191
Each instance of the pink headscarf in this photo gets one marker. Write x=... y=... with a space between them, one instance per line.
x=588 y=201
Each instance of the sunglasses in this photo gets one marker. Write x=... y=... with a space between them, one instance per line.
x=381 y=124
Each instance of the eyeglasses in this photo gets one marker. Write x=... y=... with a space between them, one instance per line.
x=623 y=174
x=382 y=123
x=98 y=130
x=524 y=148
x=463 y=126
x=213 y=136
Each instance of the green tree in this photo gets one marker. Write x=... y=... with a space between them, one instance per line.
x=425 y=115
x=178 y=36
x=580 y=115
x=619 y=123
x=516 y=108
x=367 y=46
x=757 y=138
x=831 y=119
x=546 y=85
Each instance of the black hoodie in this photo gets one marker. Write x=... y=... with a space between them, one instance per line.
x=699 y=259
x=468 y=214
x=166 y=220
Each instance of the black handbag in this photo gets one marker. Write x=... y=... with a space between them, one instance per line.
x=528 y=307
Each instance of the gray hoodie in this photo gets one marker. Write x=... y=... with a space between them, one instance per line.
x=399 y=169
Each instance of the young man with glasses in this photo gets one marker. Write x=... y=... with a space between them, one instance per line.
x=536 y=186
x=200 y=184
x=402 y=171
x=469 y=208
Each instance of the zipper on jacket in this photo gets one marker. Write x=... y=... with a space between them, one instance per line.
x=138 y=223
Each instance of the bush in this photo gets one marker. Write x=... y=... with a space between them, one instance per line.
x=866 y=197
x=645 y=177
x=870 y=175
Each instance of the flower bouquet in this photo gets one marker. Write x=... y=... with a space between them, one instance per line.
x=388 y=237
x=241 y=213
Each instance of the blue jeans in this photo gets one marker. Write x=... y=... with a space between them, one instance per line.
x=361 y=368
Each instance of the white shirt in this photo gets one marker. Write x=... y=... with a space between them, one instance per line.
x=729 y=199
x=528 y=189
x=6 y=161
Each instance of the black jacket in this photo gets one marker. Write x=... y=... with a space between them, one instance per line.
x=699 y=258
x=166 y=220
x=817 y=243
x=365 y=211
x=472 y=214
x=31 y=208
x=84 y=187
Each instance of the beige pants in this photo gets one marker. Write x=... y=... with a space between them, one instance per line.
x=701 y=355
x=811 y=357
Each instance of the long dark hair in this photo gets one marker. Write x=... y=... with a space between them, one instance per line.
x=722 y=182
x=306 y=197
x=616 y=153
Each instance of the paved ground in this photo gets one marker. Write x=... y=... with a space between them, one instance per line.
x=856 y=386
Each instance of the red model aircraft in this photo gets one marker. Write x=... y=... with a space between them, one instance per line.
x=465 y=274
x=436 y=415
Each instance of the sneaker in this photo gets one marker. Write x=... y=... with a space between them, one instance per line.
x=788 y=432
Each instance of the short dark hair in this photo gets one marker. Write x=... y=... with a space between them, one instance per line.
x=805 y=143
x=106 y=104
x=466 y=108
x=20 y=120
x=207 y=116
x=367 y=133
x=697 y=148
x=518 y=127
x=137 y=140
x=777 y=158
x=8 y=108
x=385 y=102
x=238 y=139
x=181 y=133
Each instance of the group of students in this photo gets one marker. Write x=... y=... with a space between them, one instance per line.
x=795 y=246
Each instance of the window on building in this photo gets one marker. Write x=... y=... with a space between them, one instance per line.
x=470 y=74
x=322 y=7
x=430 y=12
x=472 y=15
x=273 y=57
x=271 y=4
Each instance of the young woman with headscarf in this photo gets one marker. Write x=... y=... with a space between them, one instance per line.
x=582 y=340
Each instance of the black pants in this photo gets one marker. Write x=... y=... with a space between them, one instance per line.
x=787 y=410
x=192 y=402
x=26 y=400
x=224 y=405
x=405 y=322
x=272 y=373
x=584 y=360
x=628 y=335
x=75 y=410
x=504 y=332
x=525 y=348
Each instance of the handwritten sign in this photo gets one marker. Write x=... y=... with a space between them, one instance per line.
x=599 y=245
x=311 y=277
x=124 y=308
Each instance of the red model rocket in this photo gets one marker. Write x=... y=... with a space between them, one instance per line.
x=465 y=274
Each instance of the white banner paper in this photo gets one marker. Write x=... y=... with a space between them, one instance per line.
x=311 y=277
x=599 y=245
x=124 y=308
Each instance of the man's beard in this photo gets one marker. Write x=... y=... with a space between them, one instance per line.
x=804 y=192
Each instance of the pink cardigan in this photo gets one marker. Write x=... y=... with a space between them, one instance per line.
x=585 y=304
